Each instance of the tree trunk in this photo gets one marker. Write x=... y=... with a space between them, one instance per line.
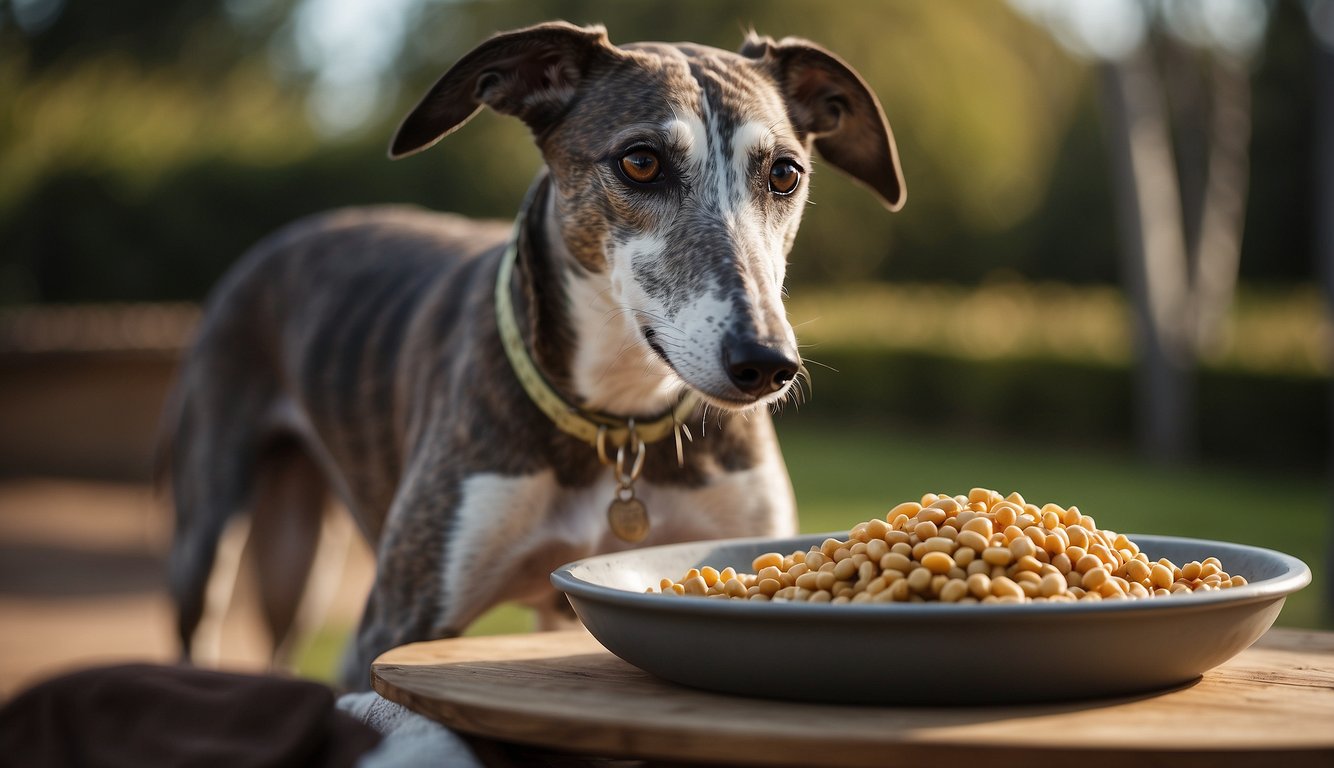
x=1180 y=223
x=1153 y=252
x=1324 y=240
x=1217 y=257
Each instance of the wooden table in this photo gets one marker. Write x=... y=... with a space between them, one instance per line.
x=1271 y=705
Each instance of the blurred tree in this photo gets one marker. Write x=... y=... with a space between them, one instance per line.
x=1322 y=27
x=236 y=115
x=1181 y=207
x=144 y=145
x=1321 y=16
x=151 y=31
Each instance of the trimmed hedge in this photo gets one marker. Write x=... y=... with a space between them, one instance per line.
x=1259 y=420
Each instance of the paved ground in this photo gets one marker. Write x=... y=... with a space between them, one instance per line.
x=81 y=568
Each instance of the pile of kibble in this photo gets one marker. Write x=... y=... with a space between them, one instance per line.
x=978 y=548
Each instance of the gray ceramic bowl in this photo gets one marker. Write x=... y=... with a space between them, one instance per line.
x=922 y=653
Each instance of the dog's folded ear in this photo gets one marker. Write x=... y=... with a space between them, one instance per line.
x=829 y=101
x=530 y=73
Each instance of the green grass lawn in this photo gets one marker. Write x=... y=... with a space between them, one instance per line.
x=844 y=476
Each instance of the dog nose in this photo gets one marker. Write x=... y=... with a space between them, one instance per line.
x=758 y=369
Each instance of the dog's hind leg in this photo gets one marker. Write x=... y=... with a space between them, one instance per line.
x=287 y=512
x=554 y=612
x=215 y=431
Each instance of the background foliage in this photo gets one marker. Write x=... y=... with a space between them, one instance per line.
x=144 y=144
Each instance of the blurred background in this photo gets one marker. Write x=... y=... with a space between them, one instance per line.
x=1111 y=285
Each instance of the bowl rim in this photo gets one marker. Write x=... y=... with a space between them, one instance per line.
x=1296 y=575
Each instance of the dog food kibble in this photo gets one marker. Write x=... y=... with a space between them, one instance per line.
x=978 y=548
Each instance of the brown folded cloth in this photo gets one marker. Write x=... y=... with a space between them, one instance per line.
x=146 y=715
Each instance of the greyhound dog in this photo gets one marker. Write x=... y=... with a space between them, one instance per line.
x=493 y=400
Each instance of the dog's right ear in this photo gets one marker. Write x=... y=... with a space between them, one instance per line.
x=530 y=73
x=828 y=101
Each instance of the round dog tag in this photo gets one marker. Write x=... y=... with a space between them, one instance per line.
x=628 y=519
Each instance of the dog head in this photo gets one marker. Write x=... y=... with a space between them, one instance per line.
x=679 y=174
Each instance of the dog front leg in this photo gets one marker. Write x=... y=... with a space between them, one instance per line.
x=503 y=545
x=407 y=597
x=450 y=551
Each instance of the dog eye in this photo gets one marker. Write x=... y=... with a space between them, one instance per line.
x=641 y=166
x=783 y=177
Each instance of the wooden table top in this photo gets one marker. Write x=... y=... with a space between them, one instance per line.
x=563 y=691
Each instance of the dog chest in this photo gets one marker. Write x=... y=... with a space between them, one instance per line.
x=520 y=528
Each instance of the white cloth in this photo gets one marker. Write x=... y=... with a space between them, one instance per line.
x=410 y=739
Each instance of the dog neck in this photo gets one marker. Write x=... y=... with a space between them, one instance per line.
x=586 y=345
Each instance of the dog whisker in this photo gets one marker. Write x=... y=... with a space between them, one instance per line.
x=803 y=324
x=652 y=316
x=822 y=365
x=675 y=341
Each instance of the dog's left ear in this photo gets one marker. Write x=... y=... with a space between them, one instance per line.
x=829 y=101
x=530 y=73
